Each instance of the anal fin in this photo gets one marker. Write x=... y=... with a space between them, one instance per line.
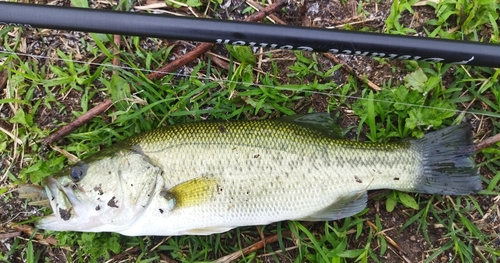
x=345 y=206
x=207 y=230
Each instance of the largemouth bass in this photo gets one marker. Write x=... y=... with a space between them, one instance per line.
x=209 y=177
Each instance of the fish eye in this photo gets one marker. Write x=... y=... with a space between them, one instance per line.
x=78 y=171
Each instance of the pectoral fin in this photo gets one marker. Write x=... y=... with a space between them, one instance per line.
x=341 y=208
x=192 y=192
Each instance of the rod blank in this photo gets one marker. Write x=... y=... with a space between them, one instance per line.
x=251 y=34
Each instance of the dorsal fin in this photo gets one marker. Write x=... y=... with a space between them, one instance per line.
x=322 y=122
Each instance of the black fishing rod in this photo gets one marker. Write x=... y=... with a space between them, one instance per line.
x=250 y=34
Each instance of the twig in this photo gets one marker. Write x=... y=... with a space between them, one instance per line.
x=10 y=235
x=68 y=155
x=166 y=259
x=63 y=131
x=252 y=248
x=15 y=138
x=487 y=142
x=266 y=11
x=3 y=79
x=174 y=65
x=116 y=52
x=352 y=71
x=122 y=256
x=277 y=252
x=28 y=230
x=258 y=7
x=219 y=62
x=340 y=24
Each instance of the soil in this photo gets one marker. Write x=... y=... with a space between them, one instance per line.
x=319 y=13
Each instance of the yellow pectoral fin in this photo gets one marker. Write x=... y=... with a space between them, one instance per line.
x=192 y=192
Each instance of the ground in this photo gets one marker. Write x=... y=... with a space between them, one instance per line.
x=405 y=234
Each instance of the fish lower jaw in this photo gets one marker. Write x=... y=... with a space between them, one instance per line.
x=54 y=223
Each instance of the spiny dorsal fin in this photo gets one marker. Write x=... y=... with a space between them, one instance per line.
x=321 y=121
x=192 y=192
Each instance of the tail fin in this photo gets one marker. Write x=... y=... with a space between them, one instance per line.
x=448 y=167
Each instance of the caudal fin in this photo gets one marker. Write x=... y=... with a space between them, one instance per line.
x=448 y=166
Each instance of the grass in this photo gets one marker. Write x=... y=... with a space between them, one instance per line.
x=43 y=94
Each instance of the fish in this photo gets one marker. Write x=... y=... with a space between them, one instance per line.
x=208 y=177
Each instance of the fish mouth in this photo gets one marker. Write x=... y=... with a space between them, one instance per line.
x=69 y=212
x=61 y=199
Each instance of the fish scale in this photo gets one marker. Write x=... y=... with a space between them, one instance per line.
x=231 y=154
x=209 y=177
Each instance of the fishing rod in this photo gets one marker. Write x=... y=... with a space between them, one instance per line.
x=250 y=34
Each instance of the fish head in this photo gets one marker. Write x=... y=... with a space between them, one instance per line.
x=104 y=193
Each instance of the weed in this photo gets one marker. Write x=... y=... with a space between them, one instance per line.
x=392 y=22
x=469 y=16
